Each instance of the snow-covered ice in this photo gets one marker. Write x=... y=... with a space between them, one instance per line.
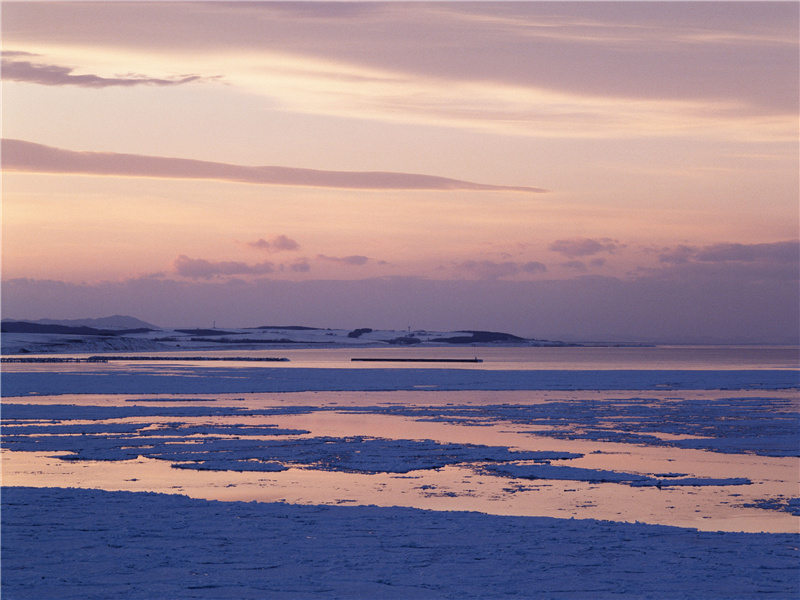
x=70 y=543
x=398 y=482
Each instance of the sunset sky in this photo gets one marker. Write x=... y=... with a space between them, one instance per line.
x=567 y=170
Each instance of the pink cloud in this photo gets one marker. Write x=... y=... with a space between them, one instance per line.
x=300 y=266
x=678 y=255
x=787 y=252
x=198 y=268
x=564 y=46
x=783 y=252
x=573 y=248
x=279 y=243
x=25 y=156
x=488 y=269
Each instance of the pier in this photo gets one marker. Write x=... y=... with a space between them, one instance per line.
x=420 y=360
x=105 y=359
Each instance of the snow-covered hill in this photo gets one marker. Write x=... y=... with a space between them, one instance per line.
x=113 y=322
x=19 y=338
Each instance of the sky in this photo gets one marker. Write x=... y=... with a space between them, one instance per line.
x=560 y=170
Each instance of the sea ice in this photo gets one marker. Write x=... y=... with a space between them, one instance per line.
x=90 y=544
x=83 y=543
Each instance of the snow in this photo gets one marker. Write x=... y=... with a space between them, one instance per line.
x=686 y=469
x=161 y=340
x=93 y=544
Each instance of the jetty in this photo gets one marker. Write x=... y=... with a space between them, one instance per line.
x=105 y=359
x=420 y=360
x=51 y=359
x=198 y=357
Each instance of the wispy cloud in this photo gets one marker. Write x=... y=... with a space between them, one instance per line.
x=525 y=68
x=280 y=243
x=45 y=74
x=19 y=155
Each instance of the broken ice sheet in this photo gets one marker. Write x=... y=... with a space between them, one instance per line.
x=356 y=445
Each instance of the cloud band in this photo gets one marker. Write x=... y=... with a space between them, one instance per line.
x=19 y=155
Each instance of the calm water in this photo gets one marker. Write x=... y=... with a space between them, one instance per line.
x=575 y=358
x=528 y=358
x=454 y=487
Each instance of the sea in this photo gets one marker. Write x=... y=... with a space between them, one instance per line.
x=690 y=436
x=515 y=358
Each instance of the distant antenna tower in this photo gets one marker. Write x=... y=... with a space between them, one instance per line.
x=214 y=326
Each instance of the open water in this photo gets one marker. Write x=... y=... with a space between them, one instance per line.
x=578 y=358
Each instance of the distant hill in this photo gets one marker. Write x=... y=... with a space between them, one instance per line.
x=28 y=327
x=83 y=335
x=479 y=337
x=288 y=327
x=115 y=322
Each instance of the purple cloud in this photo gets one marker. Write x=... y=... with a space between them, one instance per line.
x=564 y=46
x=354 y=260
x=576 y=247
x=576 y=265
x=705 y=306
x=678 y=255
x=43 y=74
x=787 y=252
x=25 y=156
x=782 y=252
x=198 y=268
x=487 y=269
x=301 y=266
x=533 y=267
x=279 y=243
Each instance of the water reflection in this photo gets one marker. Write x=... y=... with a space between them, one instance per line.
x=493 y=358
x=454 y=486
